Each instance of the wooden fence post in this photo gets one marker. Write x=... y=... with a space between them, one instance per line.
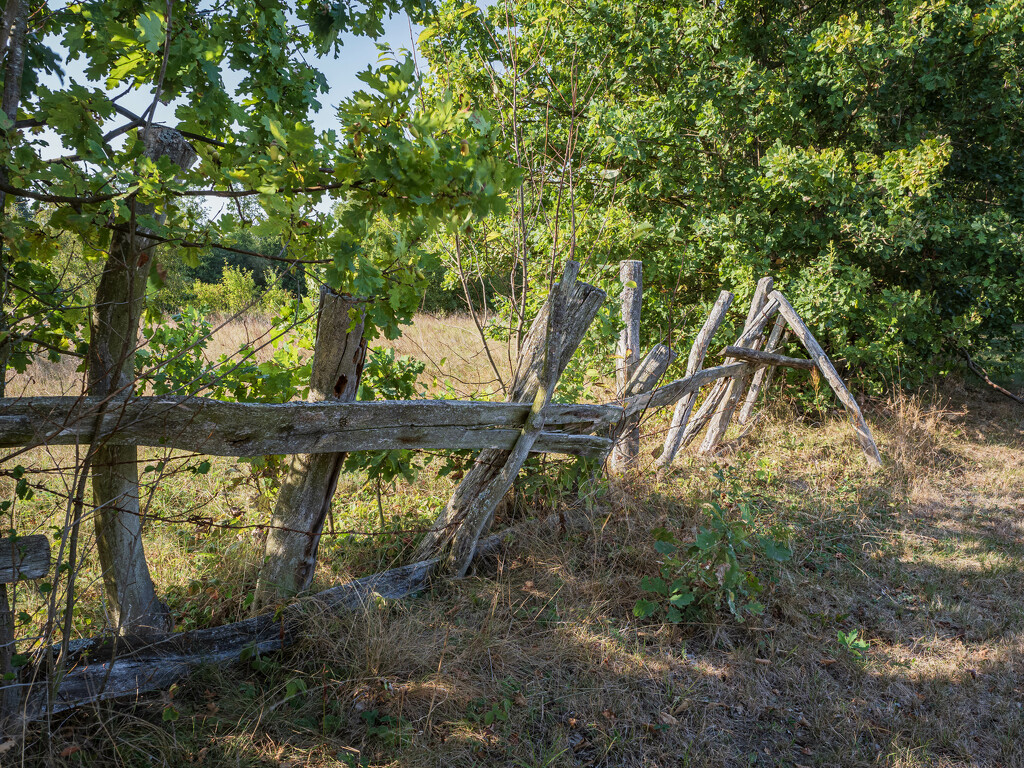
x=860 y=426
x=699 y=350
x=738 y=385
x=469 y=511
x=763 y=376
x=627 y=356
x=114 y=330
x=305 y=498
x=24 y=557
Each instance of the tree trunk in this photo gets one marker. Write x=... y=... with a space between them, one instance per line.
x=627 y=357
x=305 y=498
x=15 y=25
x=114 y=328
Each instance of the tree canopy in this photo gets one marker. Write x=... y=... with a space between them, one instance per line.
x=868 y=155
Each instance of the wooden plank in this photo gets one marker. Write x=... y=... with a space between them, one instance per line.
x=754 y=327
x=213 y=427
x=577 y=312
x=304 y=501
x=695 y=361
x=24 y=557
x=103 y=669
x=100 y=670
x=762 y=376
x=627 y=358
x=478 y=511
x=645 y=377
x=670 y=393
x=860 y=426
x=767 y=358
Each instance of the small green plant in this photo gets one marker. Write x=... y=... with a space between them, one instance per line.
x=716 y=568
x=481 y=711
x=392 y=731
x=853 y=643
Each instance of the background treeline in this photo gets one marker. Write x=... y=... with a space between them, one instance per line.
x=868 y=155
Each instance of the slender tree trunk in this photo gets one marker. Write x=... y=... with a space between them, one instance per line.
x=12 y=43
x=305 y=498
x=114 y=328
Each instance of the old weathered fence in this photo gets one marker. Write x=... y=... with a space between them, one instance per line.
x=317 y=433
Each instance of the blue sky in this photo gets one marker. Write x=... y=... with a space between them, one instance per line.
x=356 y=55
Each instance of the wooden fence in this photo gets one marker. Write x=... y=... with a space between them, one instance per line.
x=318 y=432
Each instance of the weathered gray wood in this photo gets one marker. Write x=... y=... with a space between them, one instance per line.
x=218 y=428
x=698 y=351
x=577 y=312
x=767 y=358
x=762 y=376
x=114 y=328
x=645 y=377
x=649 y=371
x=627 y=358
x=25 y=557
x=673 y=391
x=480 y=514
x=860 y=426
x=100 y=670
x=304 y=501
x=737 y=387
x=581 y=307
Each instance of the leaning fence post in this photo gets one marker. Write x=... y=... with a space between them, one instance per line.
x=738 y=385
x=471 y=507
x=305 y=497
x=627 y=356
x=21 y=558
x=699 y=350
x=763 y=376
x=867 y=442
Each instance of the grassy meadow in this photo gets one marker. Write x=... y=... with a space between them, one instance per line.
x=537 y=659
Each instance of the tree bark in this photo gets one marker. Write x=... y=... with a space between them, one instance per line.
x=114 y=328
x=627 y=357
x=305 y=499
x=12 y=51
x=699 y=350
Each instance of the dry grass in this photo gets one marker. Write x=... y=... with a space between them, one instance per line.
x=537 y=659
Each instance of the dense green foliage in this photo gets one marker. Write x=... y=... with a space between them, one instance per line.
x=870 y=156
x=236 y=76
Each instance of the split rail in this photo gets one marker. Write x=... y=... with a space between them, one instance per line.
x=319 y=432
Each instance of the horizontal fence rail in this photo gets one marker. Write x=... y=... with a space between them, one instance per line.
x=218 y=428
